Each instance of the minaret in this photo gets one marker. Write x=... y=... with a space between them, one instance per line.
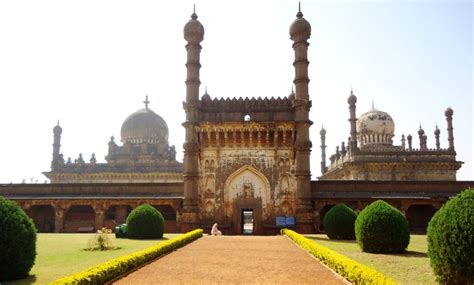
x=352 y=100
x=449 y=118
x=57 y=130
x=323 y=150
x=436 y=133
x=193 y=34
x=300 y=31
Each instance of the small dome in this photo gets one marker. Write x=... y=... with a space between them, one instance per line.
x=193 y=30
x=352 y=99
x=322 y=132
x=300 y=29
x=437 y=131
x=449 y=112
x=375 y=127
x=144 y=126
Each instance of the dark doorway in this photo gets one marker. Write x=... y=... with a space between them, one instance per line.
x=247 y=218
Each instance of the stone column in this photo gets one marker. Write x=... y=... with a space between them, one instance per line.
x=59 y=216
x=300 y=32
x=193 y=34
x=99 y=218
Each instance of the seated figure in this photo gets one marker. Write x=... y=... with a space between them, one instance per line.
x=215 y=231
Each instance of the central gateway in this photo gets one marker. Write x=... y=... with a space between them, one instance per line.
x=246 y=160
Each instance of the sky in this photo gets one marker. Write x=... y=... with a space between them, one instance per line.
x=90 y=64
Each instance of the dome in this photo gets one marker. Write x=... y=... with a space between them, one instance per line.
x=193 y=30
x=300 y=29
x=144 y=126
x=375 y=127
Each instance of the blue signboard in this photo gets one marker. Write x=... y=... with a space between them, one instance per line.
x=285 y=221
x=290 y=221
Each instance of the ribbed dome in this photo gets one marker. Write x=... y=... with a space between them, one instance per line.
x=144 y=126
x=375 y=127
x=300 y=29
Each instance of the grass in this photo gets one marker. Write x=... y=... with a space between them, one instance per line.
x=413 y=267
x=59 y=255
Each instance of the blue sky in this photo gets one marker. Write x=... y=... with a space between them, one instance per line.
x=91 y=63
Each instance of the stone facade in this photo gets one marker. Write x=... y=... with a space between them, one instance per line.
x=370 y=153
x=145 y=155
x=243 y=157
x=247 y=154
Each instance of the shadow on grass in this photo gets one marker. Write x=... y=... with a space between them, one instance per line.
x=28 y=280
x=410 y=253
x=331 y=240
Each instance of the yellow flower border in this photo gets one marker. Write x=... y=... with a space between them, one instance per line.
x=120 y=265
x=349 y=269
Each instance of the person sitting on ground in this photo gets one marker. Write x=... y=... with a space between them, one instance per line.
x=215 y=231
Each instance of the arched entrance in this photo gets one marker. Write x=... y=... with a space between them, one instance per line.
x=79 y=219
x=43 y=217
x=322 y=214
x=419 y=216
x=247 y=200
x=116 y=215
x=169 y=214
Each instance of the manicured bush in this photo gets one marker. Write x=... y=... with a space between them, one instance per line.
x=451 y=240
x=121 y=265
x=381 y=228
x=145 y=222
x=17 y=242
x=339 y=222
x=350 y=269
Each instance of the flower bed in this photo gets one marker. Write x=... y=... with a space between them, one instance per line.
x=351 y=270
x=118 y=266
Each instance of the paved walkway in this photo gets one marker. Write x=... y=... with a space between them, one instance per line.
x=235 y=260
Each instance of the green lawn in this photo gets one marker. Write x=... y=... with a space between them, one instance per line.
x=413 y=267
x=59 y=255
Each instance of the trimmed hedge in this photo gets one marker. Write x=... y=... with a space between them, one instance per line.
x=451 y=240
x=349 y=269
x=118 y=266
x=17 y=242
x=339 y=222
x=145 y=222
x=381 y=228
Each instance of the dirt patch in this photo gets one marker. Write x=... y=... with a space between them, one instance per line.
x=236 y=260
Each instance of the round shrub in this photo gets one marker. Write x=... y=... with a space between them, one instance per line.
x=381 y=228
x=145 y=222
x=451 y=240
x=17 y=242
x=339 y=222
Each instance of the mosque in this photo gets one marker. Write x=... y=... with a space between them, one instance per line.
x=246 y=164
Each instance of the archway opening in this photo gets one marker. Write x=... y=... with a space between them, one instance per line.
x=43 y=217
x=419 y=216
x=322 y=214
x=169 y=214
x=79 y=219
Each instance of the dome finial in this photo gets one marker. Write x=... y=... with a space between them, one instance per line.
x=373 y=105
x=146 y=102
x=300 y=14
x=194 y=15
x=205 y=92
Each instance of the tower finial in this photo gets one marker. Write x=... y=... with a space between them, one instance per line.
x=352 y=92
x=194 y=15
x=205 y=92
x=292 y=89
x=146 y=102
x=300 y=14
x=373 y=105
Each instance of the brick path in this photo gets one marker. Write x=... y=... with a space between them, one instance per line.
x=235 y=260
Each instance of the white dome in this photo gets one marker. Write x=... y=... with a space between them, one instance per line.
x=375 y=127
